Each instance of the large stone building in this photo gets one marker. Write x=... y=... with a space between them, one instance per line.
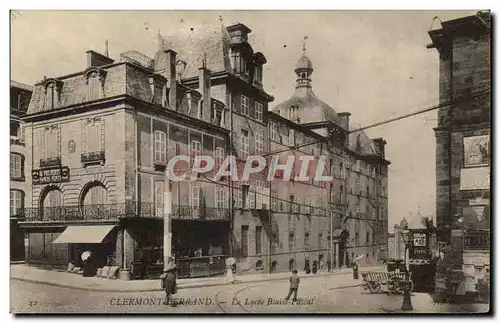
x=20 y=96
x=463 y=158
x=101 y=138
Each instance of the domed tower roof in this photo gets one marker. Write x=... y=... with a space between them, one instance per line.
x=306 y=106
x=304 y=63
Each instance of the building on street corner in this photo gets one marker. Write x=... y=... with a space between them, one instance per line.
x=463 y=154
x=98 y=142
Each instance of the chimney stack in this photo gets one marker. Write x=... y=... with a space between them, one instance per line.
x=204 y=85
x=165 y=62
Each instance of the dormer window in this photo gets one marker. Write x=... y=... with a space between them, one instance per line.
x=94 y=77
x=52 y=90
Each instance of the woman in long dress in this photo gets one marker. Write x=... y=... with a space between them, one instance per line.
x=231 y=270
x=170 y=282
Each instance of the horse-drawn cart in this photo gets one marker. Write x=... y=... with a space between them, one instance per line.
x=377 y=282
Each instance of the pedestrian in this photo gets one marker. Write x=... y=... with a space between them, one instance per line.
x=169 y=282
x=294 y=286
x=231 y=270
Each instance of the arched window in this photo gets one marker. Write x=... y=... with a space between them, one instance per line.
x=94 y=202
x=52 y=204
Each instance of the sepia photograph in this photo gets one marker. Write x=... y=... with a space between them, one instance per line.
x=250 y=161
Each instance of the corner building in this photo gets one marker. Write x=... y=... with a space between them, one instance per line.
x=463 y=153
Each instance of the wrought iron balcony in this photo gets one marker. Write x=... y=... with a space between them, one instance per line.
x=50 y=162
x=112 y=212
x=96 y=157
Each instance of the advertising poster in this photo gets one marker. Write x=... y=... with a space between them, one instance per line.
x=476 y=151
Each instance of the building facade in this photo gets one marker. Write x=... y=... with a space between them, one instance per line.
x=101 y=139
x=20 y=96
x=396 y=242
x=463 y=159
x=357 y=196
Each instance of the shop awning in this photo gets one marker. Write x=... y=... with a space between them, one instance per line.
x=84 y=234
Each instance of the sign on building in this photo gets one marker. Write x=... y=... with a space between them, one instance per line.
x=475 y=178
x=50 y=175
x=476 y=151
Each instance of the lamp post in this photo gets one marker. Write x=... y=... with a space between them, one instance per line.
x=406 y=288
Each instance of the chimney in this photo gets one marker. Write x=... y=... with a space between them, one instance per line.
x=94 y=59
x=379 y=144
x=204 y=87
x=344 y=120
x=164 y=64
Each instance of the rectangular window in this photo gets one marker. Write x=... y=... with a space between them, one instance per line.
x=160 y=149
x=50 y=143
x=235 y=56
x=258 y=111
x=251 y=197
x=291 y=242
x=94 y=88
x=296 y=205
x=273 y=128
x=307 y=205
x=159 y=190
x=16 y=202
x=259 y=144
x=195 y=149
x=14 y=129
x=367 y=236
x=306 y=241
x=219 y=158
x=244 y=240
x=258 y=240
x=238 y=196
x=221 y=200
x=320 y=240
x=50 y=97
x=244 y=105
x=244 y=196
x=195 y=196
x=291 y=137
x=245 y=144
x=16 y=166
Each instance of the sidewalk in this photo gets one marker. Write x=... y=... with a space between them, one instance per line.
x=423 y=303
x=26 y=273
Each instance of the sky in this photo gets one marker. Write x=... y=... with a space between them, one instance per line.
x=373 y=64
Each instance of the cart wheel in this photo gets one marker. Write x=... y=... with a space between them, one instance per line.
x=376 y=287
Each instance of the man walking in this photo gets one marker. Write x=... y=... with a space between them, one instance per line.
x=294 y=286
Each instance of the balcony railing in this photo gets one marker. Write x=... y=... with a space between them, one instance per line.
x=113 y=212
x=477 y=240
x=50 y=162
x=97 y=157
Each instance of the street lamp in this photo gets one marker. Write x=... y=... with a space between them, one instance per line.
x=406 y=288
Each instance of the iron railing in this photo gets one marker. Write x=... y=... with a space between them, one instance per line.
x=477 y=240
x=93 y=157
x=131 y=209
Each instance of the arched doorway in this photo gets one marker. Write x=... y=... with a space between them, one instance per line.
x=343 y=256
x=52 y=204
x=94 y=202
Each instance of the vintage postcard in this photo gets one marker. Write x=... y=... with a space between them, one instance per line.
x=250 y=162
